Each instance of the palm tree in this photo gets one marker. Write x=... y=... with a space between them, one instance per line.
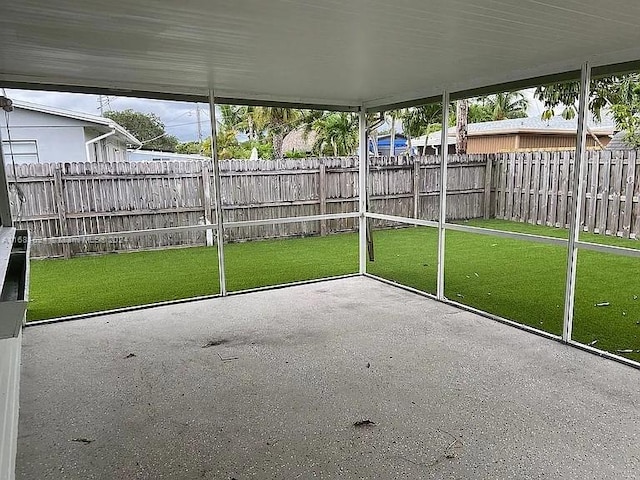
x=231 y=117
x=336 y=132
x=248 y=122
x=277 y=122
x=506 y=105
x=479 y=113
x=418 y=121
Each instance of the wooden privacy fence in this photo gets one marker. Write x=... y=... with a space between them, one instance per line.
x=536 y=188
x=54 y=200
x=69 y=199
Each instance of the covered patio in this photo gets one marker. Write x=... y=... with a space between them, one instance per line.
x=348 y=377
x=270 y=384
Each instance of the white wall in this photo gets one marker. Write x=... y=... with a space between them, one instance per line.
x=59 y=139
x=135 y=155
x=110 y=149
x=9 y=396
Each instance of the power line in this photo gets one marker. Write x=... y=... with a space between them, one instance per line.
x=104 y=101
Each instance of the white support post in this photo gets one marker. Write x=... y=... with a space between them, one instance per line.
x=576 y=201
x=217 y=195
x=444 y=153
x=362 y=188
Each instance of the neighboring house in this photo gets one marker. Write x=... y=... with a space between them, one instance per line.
x=297 y=142
x=40 y=134
x=384 y=144
x=134 y=155
x=618 y=142
x=521 y=135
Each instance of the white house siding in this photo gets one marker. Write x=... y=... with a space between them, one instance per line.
x=58 y=139
x=110 y=149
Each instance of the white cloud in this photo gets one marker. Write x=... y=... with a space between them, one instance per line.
x=179 y=117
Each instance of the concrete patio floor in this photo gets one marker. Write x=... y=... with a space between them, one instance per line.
x=452 y=394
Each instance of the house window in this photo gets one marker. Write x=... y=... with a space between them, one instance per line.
x=23 y=151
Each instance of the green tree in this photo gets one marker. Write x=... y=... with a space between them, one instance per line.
x=502 y=106
x=146 y=127
x=479 y=113
x=231 y=118
x=276 y=122
x=189 y=147
x=229 y=147
x=248 y=123
x=417 y=121
x=619 y=93
x=336 y=133
x=627 y=117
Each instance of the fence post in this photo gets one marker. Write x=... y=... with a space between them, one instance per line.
x=606 y=184
x=61 y=208
x=487 y=186
x=322 y=196
x=628 y=196
x=416 y=187
x=206 y=201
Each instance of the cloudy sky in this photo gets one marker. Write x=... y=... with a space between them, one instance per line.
x=179 y=117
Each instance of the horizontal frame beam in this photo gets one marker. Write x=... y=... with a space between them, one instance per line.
x=504 y=234
x=296 y=105
x=462 y=306
x=282 y=220
x=195 y=228
x=611 y=249
x=120 y=92
x=125 y=233
x=598 y=247
x=615 y=69
x=562 y=77
x=178 y=97
x=371 y=106
x=614 y=250
x=134 y=308
x=410 y=221
x=520 y=326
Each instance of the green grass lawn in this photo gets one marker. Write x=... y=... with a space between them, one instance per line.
x=88 y=284
x=519 y=280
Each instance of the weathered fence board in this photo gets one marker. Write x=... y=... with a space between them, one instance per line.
x=610 y=204
x=88 y=198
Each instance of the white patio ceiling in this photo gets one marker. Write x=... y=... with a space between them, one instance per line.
x=331 y=52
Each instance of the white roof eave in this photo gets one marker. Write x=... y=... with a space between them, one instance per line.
x=125 y=135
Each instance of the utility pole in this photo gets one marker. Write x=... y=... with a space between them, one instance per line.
x=104 y=100
x=199 y=121
x=199 y=124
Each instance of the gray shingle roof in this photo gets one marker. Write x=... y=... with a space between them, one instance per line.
x=618 y=143
x=535 y=124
